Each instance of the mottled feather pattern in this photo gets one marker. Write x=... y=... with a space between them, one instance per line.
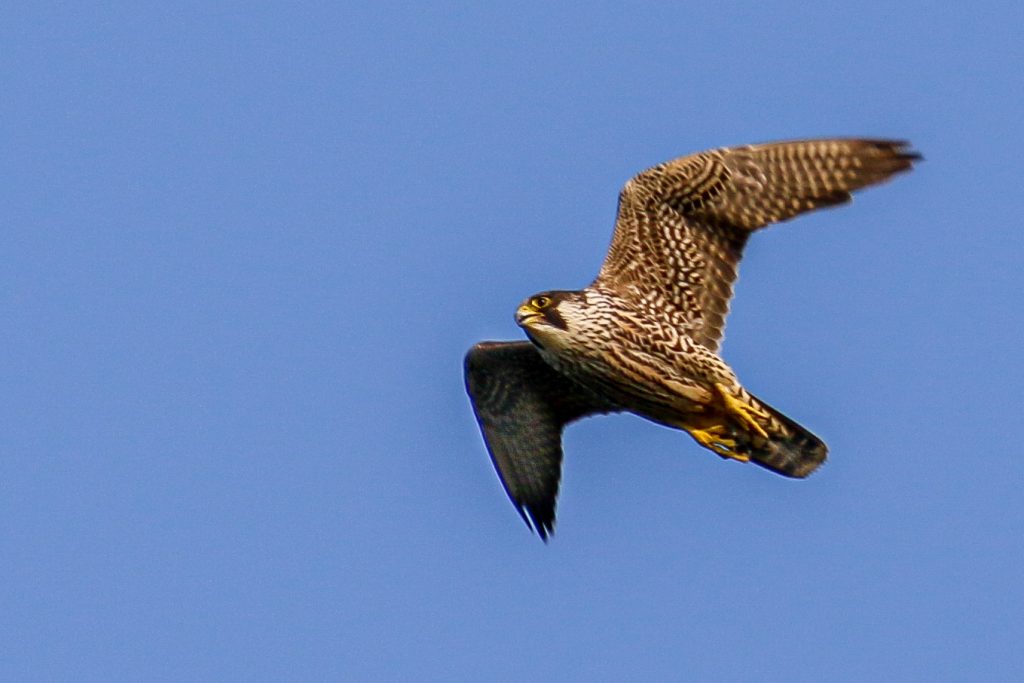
x=778 y=181
x=644 y=336
x=683 y=224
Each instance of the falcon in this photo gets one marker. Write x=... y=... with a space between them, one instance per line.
x=644 y=336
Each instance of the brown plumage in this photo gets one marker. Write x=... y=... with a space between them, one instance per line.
x=644 y=336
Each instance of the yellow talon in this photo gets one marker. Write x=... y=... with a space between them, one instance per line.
x=714 y=438
x=744 y=412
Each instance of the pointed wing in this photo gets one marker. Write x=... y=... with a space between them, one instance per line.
x=522 y=404
x=682 y=225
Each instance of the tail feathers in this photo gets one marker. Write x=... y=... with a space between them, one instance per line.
x=792 y=451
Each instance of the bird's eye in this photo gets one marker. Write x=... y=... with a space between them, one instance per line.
x=541 y=301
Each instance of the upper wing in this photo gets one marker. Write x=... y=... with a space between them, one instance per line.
x=522 y=404
x=682 y=225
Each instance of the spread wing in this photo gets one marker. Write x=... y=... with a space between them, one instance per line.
x=522 y=404
x=682 y=225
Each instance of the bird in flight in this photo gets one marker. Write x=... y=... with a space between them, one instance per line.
x=643 y=337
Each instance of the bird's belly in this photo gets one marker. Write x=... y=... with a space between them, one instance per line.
x=641 y=385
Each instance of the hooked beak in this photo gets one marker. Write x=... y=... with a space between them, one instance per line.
x=526 y=313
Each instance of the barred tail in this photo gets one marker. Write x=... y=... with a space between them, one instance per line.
x=791 y=451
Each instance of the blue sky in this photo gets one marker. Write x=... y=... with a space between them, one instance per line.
x=246 y=247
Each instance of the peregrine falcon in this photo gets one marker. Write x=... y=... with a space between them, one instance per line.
x=643 y=337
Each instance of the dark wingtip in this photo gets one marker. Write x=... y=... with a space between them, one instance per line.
x=900 y=150
x=547 y=529
x=905 y=153
x=540 y=523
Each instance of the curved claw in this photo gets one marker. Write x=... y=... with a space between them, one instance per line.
x=715 y=438
x=743 y=412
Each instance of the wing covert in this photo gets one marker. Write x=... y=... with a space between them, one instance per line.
x=682 y=225
x=522 y=405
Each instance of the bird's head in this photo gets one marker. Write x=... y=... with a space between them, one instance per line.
x=548 y=317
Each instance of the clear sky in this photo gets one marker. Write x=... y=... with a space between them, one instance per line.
x=245 y=247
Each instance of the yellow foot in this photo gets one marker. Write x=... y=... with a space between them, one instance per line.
x=744 y=412
x=715 y=439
